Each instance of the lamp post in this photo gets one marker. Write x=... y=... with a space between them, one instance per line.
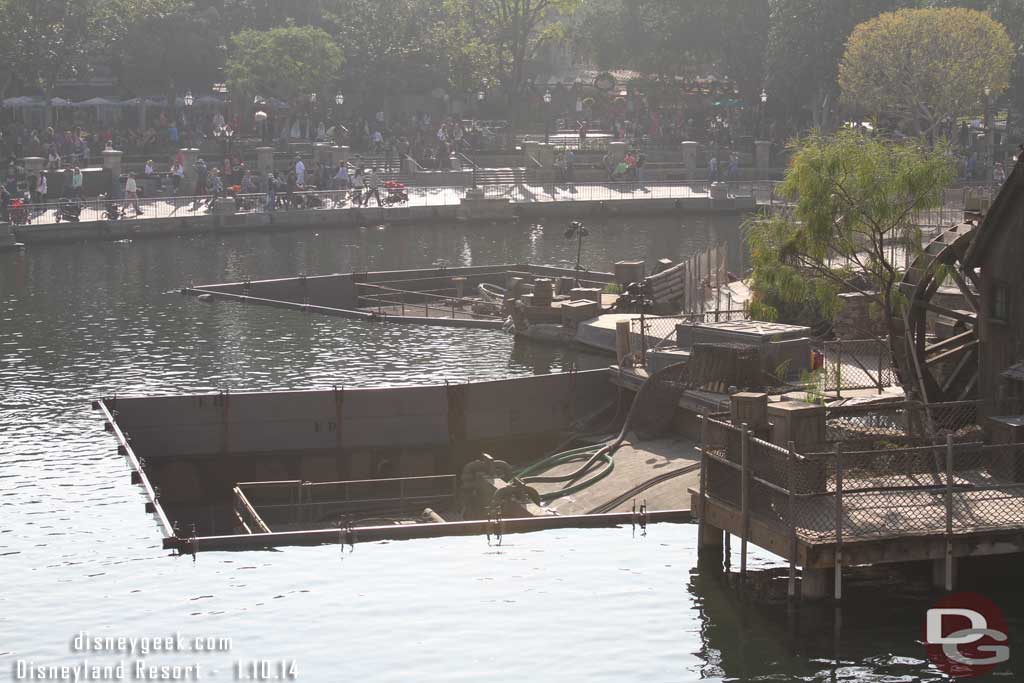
x=547 y=117
x=989 y=137
x=189 y=101
x=760 y=122
x=577 y=230
x=261 y=119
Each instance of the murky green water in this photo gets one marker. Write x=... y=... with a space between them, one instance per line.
x=78 y=554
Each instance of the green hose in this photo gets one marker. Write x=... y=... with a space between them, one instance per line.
x=592 y=456
x=587 y=453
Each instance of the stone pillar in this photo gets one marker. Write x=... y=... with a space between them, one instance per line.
x=530 y=150
x=33 y=164
x=322 y=153
x=616 y=151
x=546 y=155
x=339 y=154
x=690 y=159
x=112 y=163
x=796 y=421
x=264 y=160
x=189 y=156
x=460 y=286
x=762 y=154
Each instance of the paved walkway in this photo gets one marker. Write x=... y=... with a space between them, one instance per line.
x=94 y=210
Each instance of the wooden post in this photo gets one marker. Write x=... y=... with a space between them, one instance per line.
x=622 y=342
x=703 y=477
x=881 y=350
x=949 y=513
x=839 y=368
x=839 y=523
x=744 y=496
x=791 y=586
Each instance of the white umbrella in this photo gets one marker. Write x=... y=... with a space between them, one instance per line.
x=59 y=102
x=98 y=102
x=22 y=101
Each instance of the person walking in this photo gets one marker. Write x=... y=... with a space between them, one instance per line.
x=271 y=203
x=177 y=175
x=76 y=183
x=373 y=188
x=41 y=188
x=358 y=184
x=216 y=188
x=131 y=193
x=998 y=174
x=341 y=179
x=201 y=175
x=300 y=172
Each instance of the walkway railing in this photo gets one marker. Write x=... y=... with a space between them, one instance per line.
x=99 y=209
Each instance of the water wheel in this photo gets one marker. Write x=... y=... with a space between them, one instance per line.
x=943 y=366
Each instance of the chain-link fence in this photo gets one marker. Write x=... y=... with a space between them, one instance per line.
x=653 y=333
x=852 y=492
x=855 y=364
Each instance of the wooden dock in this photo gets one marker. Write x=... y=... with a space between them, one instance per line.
x=823 y=504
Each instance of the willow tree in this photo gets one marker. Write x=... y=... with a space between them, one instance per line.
x=925 y=66
x=852 y=223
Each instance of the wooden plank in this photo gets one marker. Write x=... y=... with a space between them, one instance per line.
x=952 y=352
x=942 y=310
x=963 y=336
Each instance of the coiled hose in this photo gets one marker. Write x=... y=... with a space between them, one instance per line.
x=595 y=456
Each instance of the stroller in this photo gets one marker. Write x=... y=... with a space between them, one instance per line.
x=69 y=211
x=18 y=212
x=395 y=193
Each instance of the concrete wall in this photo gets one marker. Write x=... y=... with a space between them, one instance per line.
x=193 y=224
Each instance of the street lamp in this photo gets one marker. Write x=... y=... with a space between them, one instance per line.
x=339 y=99
x=989 y=137
x=480 y=96
x=760 y=123
x=547 y=117
x=577 y=230
x=261 y=118
x=189 y=100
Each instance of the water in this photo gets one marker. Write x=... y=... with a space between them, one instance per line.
x=78 y=554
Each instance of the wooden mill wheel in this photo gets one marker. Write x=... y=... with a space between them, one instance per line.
x=945 y=369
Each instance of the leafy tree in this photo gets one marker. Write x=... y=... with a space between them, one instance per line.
x=511 y=33
x=168 y=51
x=286 y=62
x=806 y=40
x=401 y=46
x=855 y=199
x=925 y=66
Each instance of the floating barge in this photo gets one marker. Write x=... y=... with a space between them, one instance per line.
x=428 y=296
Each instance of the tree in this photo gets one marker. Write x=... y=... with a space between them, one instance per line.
x=806 y=40
x=167 y=51
x=288 y=62
x=512 y=33
x=401 y=46
x=925 y=66
x=853 y=220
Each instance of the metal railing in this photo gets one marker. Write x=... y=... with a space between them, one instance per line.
x=851 y=493
x=264 y=505
x=392 y=301
x=100 y=209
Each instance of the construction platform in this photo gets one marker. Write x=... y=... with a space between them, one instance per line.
x=657 y=472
